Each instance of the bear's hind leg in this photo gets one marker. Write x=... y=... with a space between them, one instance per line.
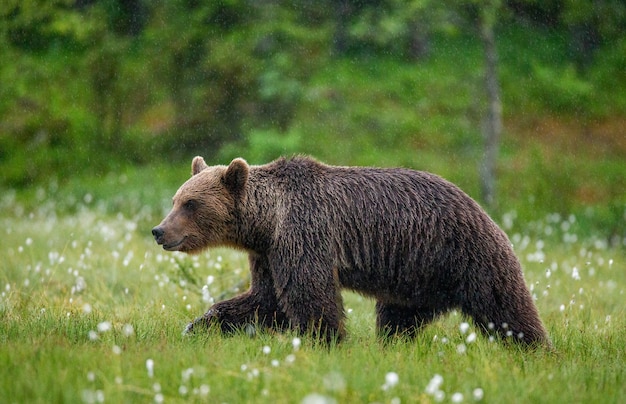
x=511 y=314
x=394 y=319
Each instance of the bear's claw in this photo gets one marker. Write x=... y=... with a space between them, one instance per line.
x=202 y=322
x=188 y=329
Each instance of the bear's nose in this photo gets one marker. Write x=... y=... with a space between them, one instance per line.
x=158 y=232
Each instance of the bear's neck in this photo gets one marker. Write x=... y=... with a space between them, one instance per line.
x=255 y=213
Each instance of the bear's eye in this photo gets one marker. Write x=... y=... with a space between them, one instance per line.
x=190 y=205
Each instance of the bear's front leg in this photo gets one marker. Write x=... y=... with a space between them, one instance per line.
x=258 y=306
x=310 y=297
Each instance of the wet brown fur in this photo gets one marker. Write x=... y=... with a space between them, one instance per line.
x=411 y=240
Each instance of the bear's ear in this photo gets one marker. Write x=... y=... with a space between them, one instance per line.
x=197 y=165
x=236 y=175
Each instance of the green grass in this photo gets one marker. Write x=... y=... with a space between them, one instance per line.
x=87 y=298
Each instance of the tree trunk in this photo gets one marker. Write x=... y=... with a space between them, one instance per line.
x=419 y=44
x=493 y=121
x=343 y=10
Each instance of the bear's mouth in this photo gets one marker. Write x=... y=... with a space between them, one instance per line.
x=175 y=245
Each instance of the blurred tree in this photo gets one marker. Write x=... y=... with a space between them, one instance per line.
x=127 y=17
x=488 y=13
x=343 y=10
x=103 y=63
x=32 y=129
x=205 y=71
x=232 y=65
x=546 y=13
x=84 y=75
x=483 y=16
x=113 y=25
x=590 y=23
x=391 y=26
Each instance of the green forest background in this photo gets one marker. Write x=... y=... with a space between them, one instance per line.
x=90 y=89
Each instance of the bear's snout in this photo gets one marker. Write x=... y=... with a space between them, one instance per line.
x=164 y=239
x=158 y=233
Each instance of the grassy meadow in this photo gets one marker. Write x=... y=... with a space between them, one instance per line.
x=92 y=311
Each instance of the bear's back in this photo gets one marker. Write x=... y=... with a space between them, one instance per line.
x=369 y=192
x=373 y=214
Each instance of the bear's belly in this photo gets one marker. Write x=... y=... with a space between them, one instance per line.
x=376 y=285
x=404 y=286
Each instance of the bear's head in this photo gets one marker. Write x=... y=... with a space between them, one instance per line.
x=203 y=208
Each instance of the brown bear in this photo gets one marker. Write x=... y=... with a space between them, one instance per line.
x=409 y=239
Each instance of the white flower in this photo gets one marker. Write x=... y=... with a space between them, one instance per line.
x=434 y=384
x=128 y=330
x=478 y=394
x=457 y=398
x=334 y=381
x=186 y=374
x=150 y=367
x=391 y=379
x=80 y=285
x=104 y=326
x=316 y=398
x=296 y=342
